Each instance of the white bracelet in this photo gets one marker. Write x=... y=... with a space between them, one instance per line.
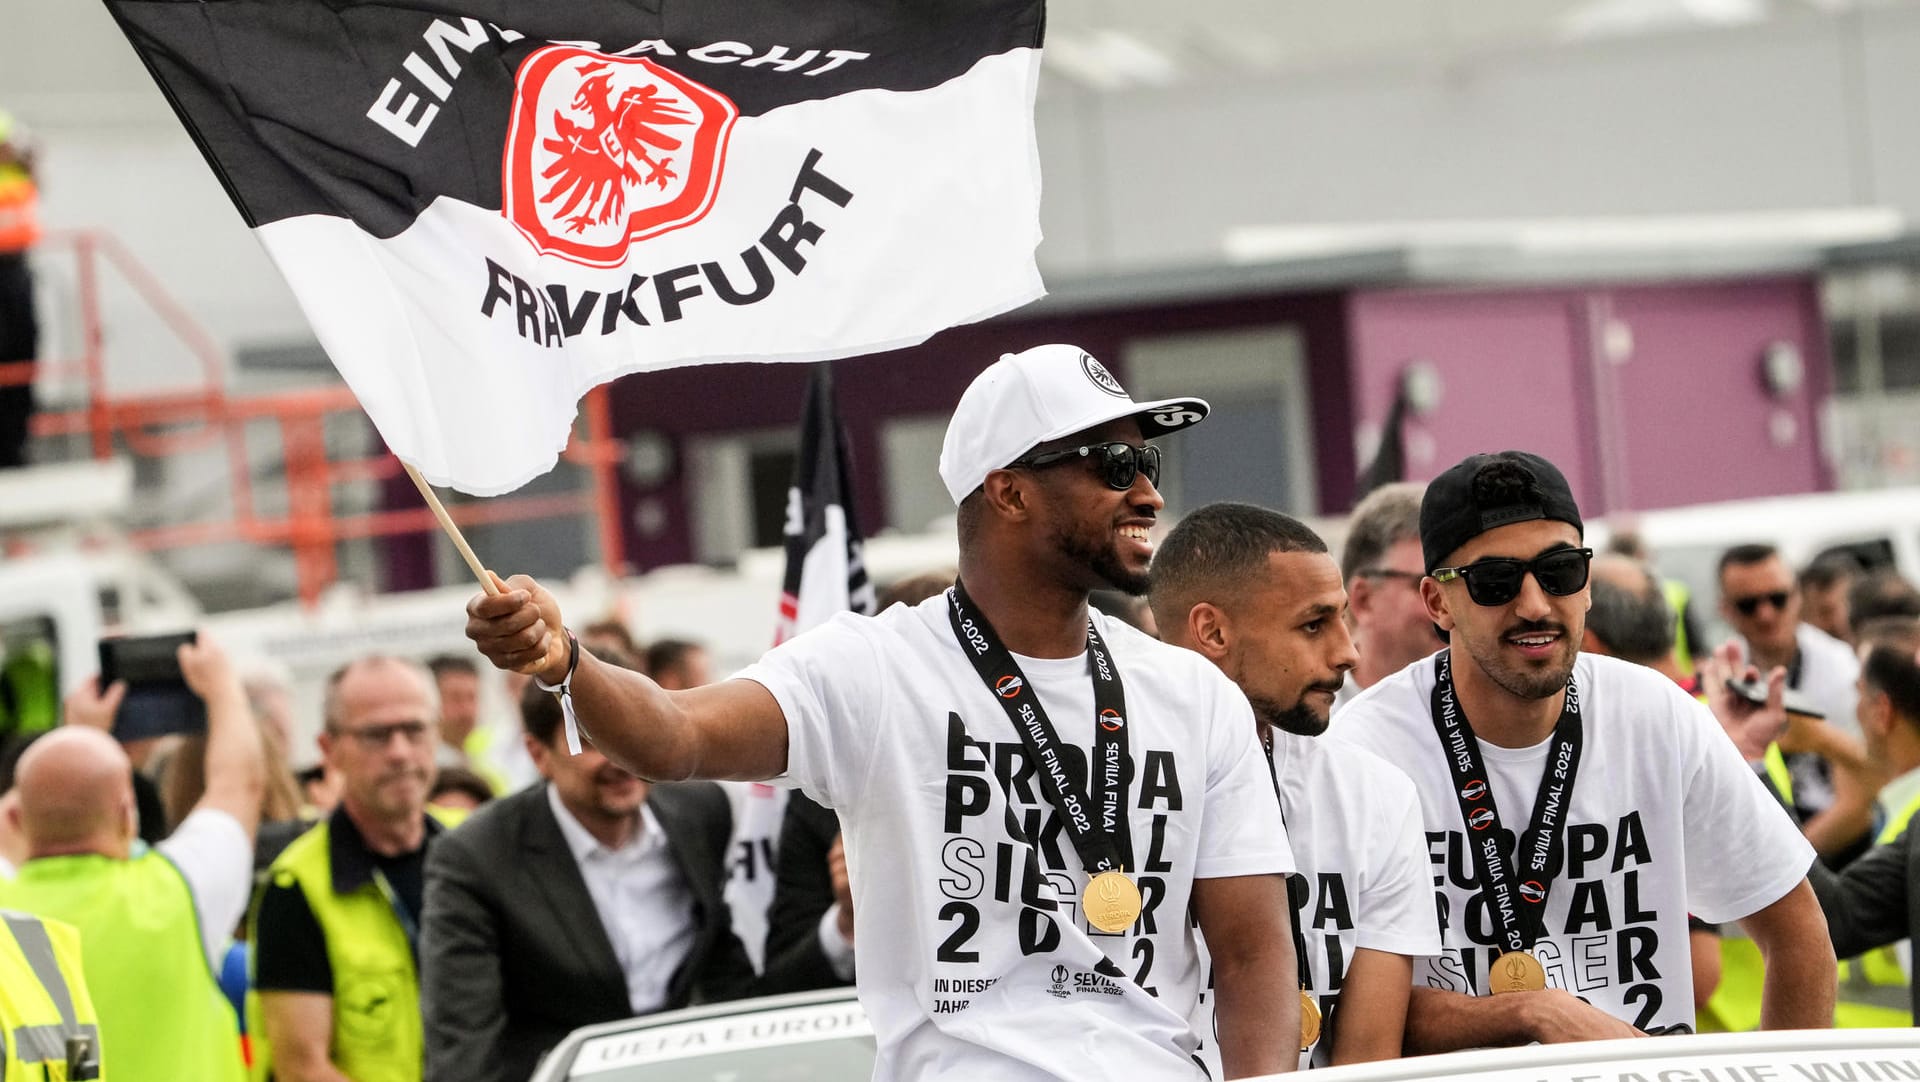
x=564 y=689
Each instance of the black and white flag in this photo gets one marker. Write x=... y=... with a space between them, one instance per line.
x=487 y=207
x=826 y=574
x=826 y=571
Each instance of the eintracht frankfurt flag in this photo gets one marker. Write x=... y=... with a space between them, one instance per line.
x=486 y=207
x=826 y=572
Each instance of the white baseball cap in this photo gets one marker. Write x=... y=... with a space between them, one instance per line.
x=1025 y=399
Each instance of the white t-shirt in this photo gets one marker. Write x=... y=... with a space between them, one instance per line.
x=1828 y=669
x=1363 y=880
x=215 y=856
x=1666 y=820
x=975 y=960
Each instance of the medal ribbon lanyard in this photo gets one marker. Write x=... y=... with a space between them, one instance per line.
x=1098 y=825
x=1518 y=907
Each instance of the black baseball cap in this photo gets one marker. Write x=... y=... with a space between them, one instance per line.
x=1484 y=492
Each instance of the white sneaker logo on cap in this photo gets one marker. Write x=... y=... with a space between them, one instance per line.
x=1101 y=378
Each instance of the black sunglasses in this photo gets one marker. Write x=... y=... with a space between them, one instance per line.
x=1751 y=605
x=1117 y=462
x=1496 y=581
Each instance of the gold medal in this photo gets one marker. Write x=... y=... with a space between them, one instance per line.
x=1516 y=971
x=1309 y=1020
x=1111 y=902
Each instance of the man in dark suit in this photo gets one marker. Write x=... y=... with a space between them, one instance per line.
x=810 y=925
x=1877 y=900
x=589 y=898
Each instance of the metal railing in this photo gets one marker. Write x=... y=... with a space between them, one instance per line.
x=168 y=424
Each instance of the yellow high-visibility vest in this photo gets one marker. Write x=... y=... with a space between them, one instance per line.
x=46 y=1016
x=161 y=1008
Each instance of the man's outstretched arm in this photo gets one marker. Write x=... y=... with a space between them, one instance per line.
x=731 y=730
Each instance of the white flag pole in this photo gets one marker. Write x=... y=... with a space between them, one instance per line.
x=452 y=530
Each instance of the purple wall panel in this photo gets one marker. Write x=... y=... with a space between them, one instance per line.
x=1508 y=370
x=1694 y=417
x=1680 y=417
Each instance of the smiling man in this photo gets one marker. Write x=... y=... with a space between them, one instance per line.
x=1577 y=807
x=1033 y=798
x=1256 y=593
x=589 y=898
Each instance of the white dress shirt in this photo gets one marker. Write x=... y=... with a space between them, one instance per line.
x=643 y=901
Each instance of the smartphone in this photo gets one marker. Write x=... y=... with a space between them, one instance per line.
x=158 y=701
x=1796 y=704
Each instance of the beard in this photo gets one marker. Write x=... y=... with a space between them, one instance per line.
x=1529 y=681
x=1299 y=719
x=1099 y=557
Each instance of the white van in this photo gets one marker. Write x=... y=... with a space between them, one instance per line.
x=1879 y=528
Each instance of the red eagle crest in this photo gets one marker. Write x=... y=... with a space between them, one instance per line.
x=607 y=150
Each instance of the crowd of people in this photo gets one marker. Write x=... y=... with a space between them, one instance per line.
x=1230 y=805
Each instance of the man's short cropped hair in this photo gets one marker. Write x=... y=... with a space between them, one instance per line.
x=1389 y=515
x=1744 y=556
x=1829 y=570
x=1888 y=644
x=540 y=713
x=451 y=663
x=666 y=654
x=1217 y=550
x=1881 y=592
x=459 y=779
x=1636 y=625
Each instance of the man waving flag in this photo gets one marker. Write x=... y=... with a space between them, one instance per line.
x=483 y=203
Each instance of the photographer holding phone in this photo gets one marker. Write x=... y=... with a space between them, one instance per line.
x=154 y=921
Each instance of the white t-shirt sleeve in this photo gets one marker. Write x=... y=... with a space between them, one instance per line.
x=825 y=681
x=1241 y=831
x=1397 y=913
x=1743 y=851
x=215 y=857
